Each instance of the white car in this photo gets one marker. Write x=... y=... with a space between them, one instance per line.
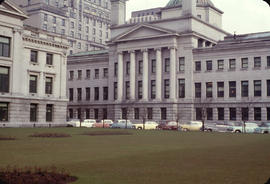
x=88 y=123
x=147 y=125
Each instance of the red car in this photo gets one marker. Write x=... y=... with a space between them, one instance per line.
x=170 y=125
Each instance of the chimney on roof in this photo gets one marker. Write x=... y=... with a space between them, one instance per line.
x=118 y=12
x=189 y=7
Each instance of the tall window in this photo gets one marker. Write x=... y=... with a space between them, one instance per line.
x=257 y=114
x=127 y=68
x=181 y=88
x=33 y=84
x=71 y=75
x=220 y=89
x=233 y=114
x=4 y=46
x=198 y=90
x=209 y=89
x=105 y=93
x=79 y=113
x=153 y=89
x=115 y=90
x=268 y=113
x=105 y=72
x=182 y=64
x=244 y=88
x=3 y=111
x=268 y=87
x=34 y=56
x=87 y=93
x=166 y=88
x=220 y=64
x=96 y=90
x=245 y=114
x=209 y=113
x=139 y=89
x=48 y=85
x=232 y=89
x=198 y=113
x=140 y=67
x=209 y=65
x=70 y=94
x=49 y=59
x=244 y=63
x=4 y=79
x=136 y=113
x=79 y=94
x=167 y=65
x=96 y=113
x=79 y=74
x=115 y=69
x=220 y=113
x=153 y=66
x=88 y=74
x=163 y=113
x=124 y=113
x=149 y=113
x=33 y=112
x=87 y=113
x=96 y=73
x=232 y=64
x=127 y=90
x=49 y=112
x=257 y=62
x=268 y=61
x=197 y=66
x=257 y=88
x=105 y=113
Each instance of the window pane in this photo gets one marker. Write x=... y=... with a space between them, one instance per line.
x=4 y=79
x=49 y=112
x=33 y=112
x=3 y=111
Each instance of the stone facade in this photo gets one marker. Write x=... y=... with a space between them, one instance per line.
x=85 y=23
x=33 y=72
x=179 y=66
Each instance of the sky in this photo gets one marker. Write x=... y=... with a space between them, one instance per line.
x=240 y=16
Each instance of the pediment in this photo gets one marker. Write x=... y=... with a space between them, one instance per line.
x=143 y=31
x=12 y=9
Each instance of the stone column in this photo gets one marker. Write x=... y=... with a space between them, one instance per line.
x=173 y=73
x=120 y=77
x=158 y=73
x=145 y=74
x=132 y=75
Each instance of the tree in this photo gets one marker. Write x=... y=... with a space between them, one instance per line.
x=204 y=104
x=143 y=116
x=125 y=113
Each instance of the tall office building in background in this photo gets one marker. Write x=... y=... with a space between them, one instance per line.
x=84 y=22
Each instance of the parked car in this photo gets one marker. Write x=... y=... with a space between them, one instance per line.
x=106 y=123
x=73 y=123
x=147 y=125
x=122 y=124
x=263 y=128
x=170 y=125
x=88 y=123
x=191 y=126
x=219 y=126
x=239 y=127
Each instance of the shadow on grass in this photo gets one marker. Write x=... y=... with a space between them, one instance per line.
x=100 y=133
x=37 y=175
x=50 y=135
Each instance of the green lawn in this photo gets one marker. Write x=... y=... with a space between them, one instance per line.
x=145 y=157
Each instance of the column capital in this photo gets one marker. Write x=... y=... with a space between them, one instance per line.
x=157 y=49
x=119 y=52
x=131 y=51
x=172 y=47
x=144 y=50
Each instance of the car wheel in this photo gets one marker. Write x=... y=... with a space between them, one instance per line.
x=185 y=129
x=265 y=132
x=139 y=128
x=209 y=130
x=237 y=131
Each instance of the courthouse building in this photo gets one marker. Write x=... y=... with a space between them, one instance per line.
x=32 y=72
x=175 y=62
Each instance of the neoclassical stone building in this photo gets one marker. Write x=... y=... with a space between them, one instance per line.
x=32 y=72
x=173 y=62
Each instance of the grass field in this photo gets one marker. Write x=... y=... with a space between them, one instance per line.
x=145 y=157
